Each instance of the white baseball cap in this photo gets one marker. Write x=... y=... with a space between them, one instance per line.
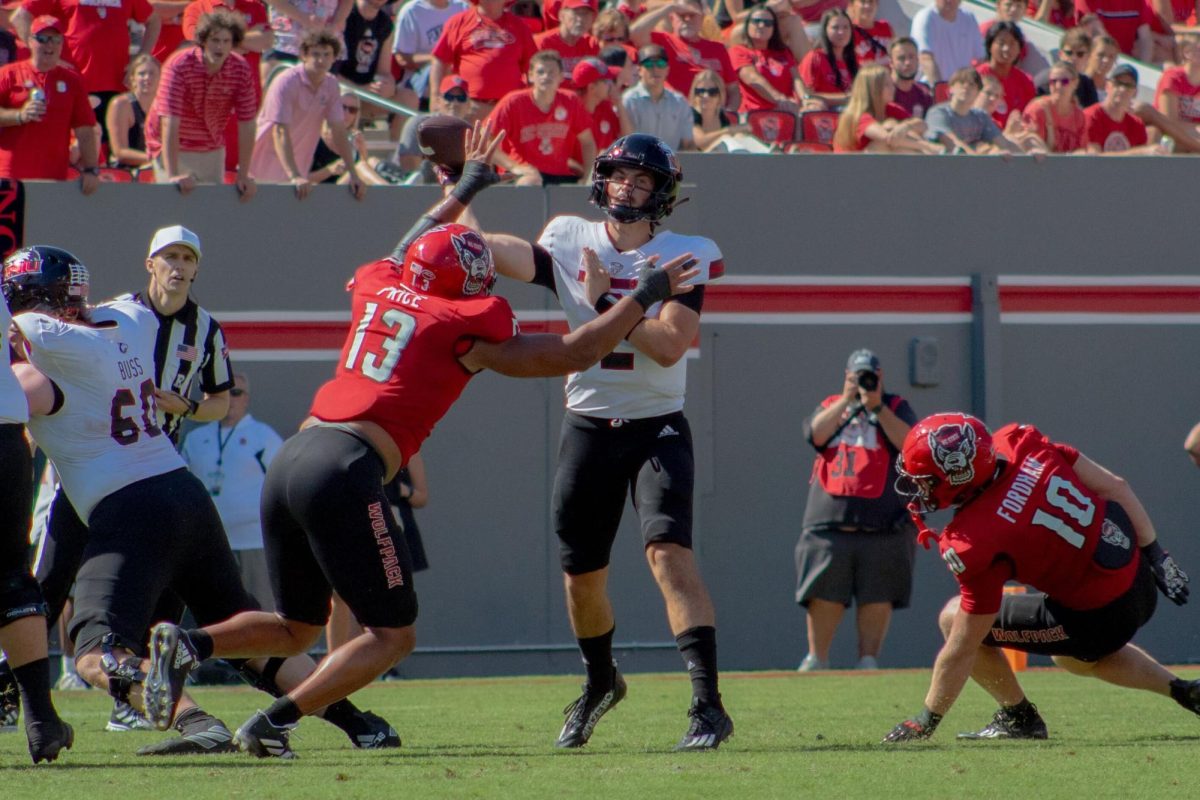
x=174 y=234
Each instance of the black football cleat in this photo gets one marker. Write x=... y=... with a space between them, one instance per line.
x=264 y=739
x=200 y=734
x=1005 y=725
x=48 y=739
x=586 y=711
x=172 y=658
x=709 y=727
x=1187 y=694
x=371 y=732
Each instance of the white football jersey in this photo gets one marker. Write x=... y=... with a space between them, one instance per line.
x=642 y=389
x=106 y=435
x=13 y=408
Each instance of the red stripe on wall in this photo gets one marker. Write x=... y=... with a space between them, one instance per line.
x=1101 y=299
x=285 y=335
x=829 y=299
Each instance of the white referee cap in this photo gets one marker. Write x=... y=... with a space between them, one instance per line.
x=174 y=234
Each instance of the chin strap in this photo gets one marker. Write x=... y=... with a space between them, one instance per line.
x=926 y=536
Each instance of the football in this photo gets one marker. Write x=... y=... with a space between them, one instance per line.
x=441 y=139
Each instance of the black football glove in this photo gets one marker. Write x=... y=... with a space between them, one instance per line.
x=476 y=176
x=919 y=727
x=654 y=285
x=1172 y=581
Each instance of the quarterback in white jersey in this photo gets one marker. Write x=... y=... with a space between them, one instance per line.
x=625 y=431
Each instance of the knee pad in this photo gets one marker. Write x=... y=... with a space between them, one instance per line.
x=122 y=675
x=20 y=596
x=263 y=681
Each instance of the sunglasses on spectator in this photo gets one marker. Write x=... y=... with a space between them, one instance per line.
x=47 y=38
x=702 y=92
x=236 y=392
x=455 y=97
x=349 y=108
x=767 y=21
x=1075 y=53
x=1064 y=81
x=652 y=63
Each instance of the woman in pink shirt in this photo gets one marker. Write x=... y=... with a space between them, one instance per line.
x=1057 y=117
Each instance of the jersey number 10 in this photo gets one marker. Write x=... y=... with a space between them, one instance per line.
x=1063 y=495
x=378 y=366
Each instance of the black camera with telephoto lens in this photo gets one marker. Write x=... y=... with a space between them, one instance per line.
x=868 y=381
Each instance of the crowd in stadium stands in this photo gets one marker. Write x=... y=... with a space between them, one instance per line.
x=186 y=98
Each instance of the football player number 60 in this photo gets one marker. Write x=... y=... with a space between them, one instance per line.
x=1063 y=495
x=374 y=368
x=125 y=430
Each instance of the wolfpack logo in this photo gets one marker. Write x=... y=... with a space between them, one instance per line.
x=615 y=267
x=953 y=448
x=476 y=259
x=1112 y=534
x=26 y=262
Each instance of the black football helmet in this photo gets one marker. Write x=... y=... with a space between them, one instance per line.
x=643 y=151
x=45 y=279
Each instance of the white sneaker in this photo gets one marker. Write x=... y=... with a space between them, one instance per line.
x=71 y=682
x=867 y=662
x=811 y=664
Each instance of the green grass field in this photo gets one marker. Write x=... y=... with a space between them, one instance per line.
x=797 y=736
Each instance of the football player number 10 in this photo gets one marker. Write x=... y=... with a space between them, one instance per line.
x=374 y=366
x=1063 y=495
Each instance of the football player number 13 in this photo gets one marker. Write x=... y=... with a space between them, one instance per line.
x=1063 y=495
x=378 y=366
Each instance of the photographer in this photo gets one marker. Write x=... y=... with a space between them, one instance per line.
x=857 y=543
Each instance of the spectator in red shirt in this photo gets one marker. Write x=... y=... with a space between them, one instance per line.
x=543 y=124
x=1057 y=117
x=1127 y=21
x=1109 y=127
x=1178 y=93
x=872 y=36
x=872 y=122
x=126 y=116
x=912 y=96
x=489 y=47
x=41 y=103
x=1055 y=12
x=201 y=86
x=96 y=38
x=765 y=66
x=595 y=82
x=572 y=39
x=612 y=28
x=829 y=68
x=1003 y=45
x=687 y=51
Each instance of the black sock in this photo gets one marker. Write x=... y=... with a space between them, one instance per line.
x=187 y=717
x=1182 y=692
x=1022 y=710
x=34 y=680
x=342 y=714
x=202 y=643
x=284 y=712
x=698 y=646
x=598 y=660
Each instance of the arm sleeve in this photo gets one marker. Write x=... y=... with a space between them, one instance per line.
x=543 y=269
x=905 y=412
x=82 y=115
x=982 y=593
x=493 y=321
x=217 y=374
x=920 y=31
x=693 y=299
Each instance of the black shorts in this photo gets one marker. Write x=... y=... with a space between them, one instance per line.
x=16 y=499
x=859 y=566
x=600 y=462
x=327 y=526
x=1036 y=624
x=59 y=554
x=154 y=535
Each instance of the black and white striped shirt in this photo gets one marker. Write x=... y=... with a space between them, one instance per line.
x=189 y=343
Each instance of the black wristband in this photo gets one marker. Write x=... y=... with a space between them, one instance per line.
x=193 y=406
x=1153 y=551
x=654 y=286
x=476 y=176
x=605 y=302
x=876 y=409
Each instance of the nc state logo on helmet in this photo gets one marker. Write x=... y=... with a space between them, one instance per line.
x=945 y=458
x=45 y=279
x=450 y=261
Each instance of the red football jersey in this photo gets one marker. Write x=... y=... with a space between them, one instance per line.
x=1038 y=524
x=399 y=367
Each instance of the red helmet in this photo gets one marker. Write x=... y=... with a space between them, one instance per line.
x=945 y=459
x=451 y=261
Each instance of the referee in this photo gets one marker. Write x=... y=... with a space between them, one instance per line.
x=189 y=349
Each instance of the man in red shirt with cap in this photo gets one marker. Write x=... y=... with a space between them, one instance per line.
x=572 y=39
x=489 y=47
x=594 y=81
x=41 y=103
